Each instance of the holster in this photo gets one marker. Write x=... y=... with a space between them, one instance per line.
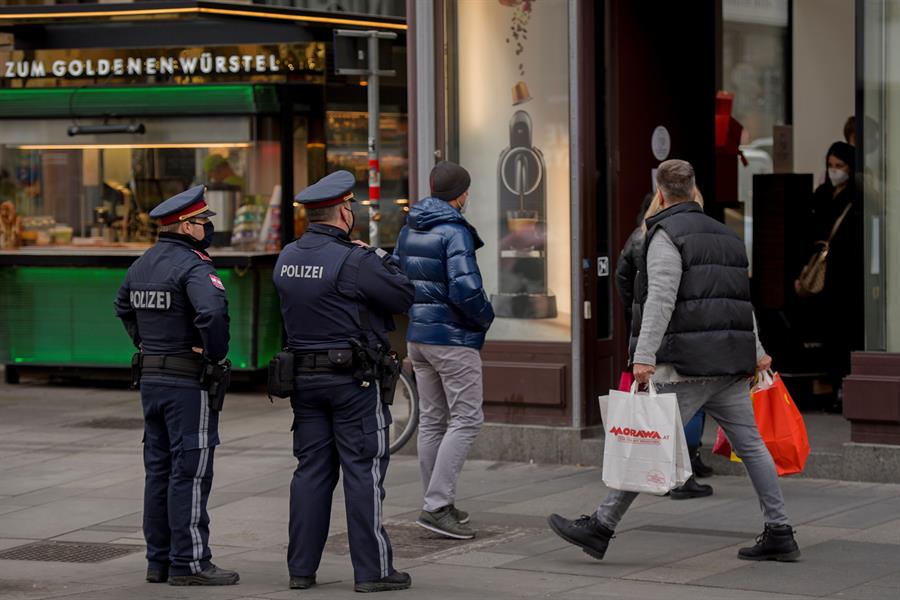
x=135 y=370
x=280 y=382
x=216 y=378
x=388 y=376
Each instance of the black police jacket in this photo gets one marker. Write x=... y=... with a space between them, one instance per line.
x=172 y=300
x=332 y=291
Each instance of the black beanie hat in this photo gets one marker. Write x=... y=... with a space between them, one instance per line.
x=449 y=181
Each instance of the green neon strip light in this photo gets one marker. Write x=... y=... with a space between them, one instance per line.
x=137 y=101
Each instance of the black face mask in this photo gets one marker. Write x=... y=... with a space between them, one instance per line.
x=352 y=220
x=208 y=230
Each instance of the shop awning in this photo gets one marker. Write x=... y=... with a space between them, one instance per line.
x=138 y=101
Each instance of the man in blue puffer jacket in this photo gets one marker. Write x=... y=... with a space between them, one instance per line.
x=447 y=324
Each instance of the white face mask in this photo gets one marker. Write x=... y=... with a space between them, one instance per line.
x=838 y=176
x=463 y=205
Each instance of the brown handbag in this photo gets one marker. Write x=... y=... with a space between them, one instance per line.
x=812 y=277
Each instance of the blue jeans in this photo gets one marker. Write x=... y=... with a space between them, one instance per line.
x=693 y=430
x=727 y=400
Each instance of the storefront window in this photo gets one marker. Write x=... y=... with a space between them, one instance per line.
x=880 y=183
x=512 y=134
x=346 y=135
x=99 y=192
x=755 y=36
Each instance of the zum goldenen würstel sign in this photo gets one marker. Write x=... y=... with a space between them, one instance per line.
x=270 y=62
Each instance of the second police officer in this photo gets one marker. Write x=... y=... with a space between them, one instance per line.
x=173 y=306
x=337 y=295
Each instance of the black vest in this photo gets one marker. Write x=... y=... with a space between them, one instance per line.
x=318 y=305
x=711 y=330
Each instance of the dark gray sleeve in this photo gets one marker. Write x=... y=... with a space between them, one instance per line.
x=126 y=313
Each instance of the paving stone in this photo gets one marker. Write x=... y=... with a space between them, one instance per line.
x=864 y=517
x=826 y=568
x=629 y=552
x=61 y=517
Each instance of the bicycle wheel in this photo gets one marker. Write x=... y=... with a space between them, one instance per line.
x=404 y=413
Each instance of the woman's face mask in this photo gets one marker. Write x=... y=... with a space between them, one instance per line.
x=838 y=176
x=838 y=171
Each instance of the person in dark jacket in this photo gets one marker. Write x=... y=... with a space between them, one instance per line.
x=695 y=336
x=337 y=294
x=844 y=276
x=447 y=325
x=173 y=306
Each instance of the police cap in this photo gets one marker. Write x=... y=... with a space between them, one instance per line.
x=331 y=190
x=189 y=204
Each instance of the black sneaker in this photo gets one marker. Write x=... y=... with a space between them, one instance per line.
x=691 y=489
x=211 y=575
x=700 y=468
x=394 y=581
x=775 y=543
x=586 y=532
x=157 y=574
x=302 y=583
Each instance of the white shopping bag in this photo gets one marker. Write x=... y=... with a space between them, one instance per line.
x=645 y=449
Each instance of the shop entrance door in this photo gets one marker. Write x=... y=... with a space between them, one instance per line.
x=648 y=94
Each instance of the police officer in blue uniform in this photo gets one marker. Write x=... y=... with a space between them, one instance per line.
x=337 y=294
x=173 y=306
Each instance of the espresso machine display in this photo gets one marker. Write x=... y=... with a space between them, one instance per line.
x=523 y=292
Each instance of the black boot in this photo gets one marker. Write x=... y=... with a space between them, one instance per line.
x=775 y=543
x=691 y=489
x=157 y=574
x=211 y=575
x=586 y=532
x=394 y=581
x=302 y=583
x=700 y=468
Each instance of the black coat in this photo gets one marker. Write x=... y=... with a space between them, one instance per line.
x=631 y=262
x=840 y=304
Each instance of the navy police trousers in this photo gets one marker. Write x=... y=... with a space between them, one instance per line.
x=180 y=435
x=338 y=424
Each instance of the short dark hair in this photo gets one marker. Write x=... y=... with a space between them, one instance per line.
x=676 y=180
x=321 y=215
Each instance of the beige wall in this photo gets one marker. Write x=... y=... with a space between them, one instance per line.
x=824 y=50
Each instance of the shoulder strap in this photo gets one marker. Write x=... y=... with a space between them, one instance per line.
x=838 y=222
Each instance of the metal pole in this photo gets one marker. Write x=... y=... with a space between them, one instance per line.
x=374 y=145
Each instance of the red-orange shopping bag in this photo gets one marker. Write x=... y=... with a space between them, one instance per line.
x=780 y=424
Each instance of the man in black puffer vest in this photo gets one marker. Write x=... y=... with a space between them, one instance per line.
x=694 y=334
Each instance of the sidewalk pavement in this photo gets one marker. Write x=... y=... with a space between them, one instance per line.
x=70 y=471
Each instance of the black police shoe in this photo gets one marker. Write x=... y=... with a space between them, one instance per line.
x=157 y=574
x=302 y=583
x=586 y=532
x=394 y=581
x=211 y=575
x=691 y=489
x=775 y=543
x=700 y=468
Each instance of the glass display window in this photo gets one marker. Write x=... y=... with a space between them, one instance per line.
x=878 y=147
x=512 y=134
x=99 y=192
x=346 y=134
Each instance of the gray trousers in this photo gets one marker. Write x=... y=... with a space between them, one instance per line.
x=727 y=400
x=450 y=415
